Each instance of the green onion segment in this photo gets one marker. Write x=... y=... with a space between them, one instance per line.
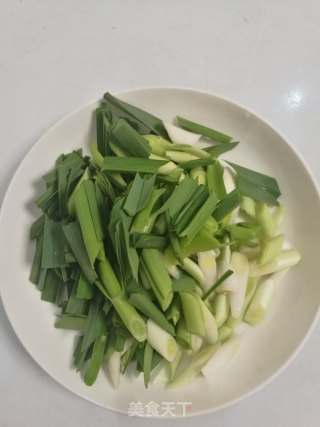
x=155 y=250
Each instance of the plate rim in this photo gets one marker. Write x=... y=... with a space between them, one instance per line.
x=220 y=97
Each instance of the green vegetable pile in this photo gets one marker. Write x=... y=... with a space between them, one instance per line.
x=147 y=253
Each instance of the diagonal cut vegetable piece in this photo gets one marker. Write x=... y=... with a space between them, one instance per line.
x=131 y=318
x=191 y=164
x=95 y=325
x=139 y=194
x=75 y=323
x=128 y=139
x=144 y=121
x=162 y=341
x=103 y=117
x=216 y=150
x=203 y=130
x=145 y=219
x=160 y=280
x=36 y=263
x=230 y=202
x=147 y=363
x=257 y=185
x=192 y=313
x=193 y=368
x=95 y=361
x=84 y=288
x=142 y=240
x=131 y=164
x=215 y=180
x=200 y=217
x=53 y=244
x=193 y=204
x=73 y=235
x=88 y=215
x=147 y=307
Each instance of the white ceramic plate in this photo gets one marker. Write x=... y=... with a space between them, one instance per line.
x=264 y=351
